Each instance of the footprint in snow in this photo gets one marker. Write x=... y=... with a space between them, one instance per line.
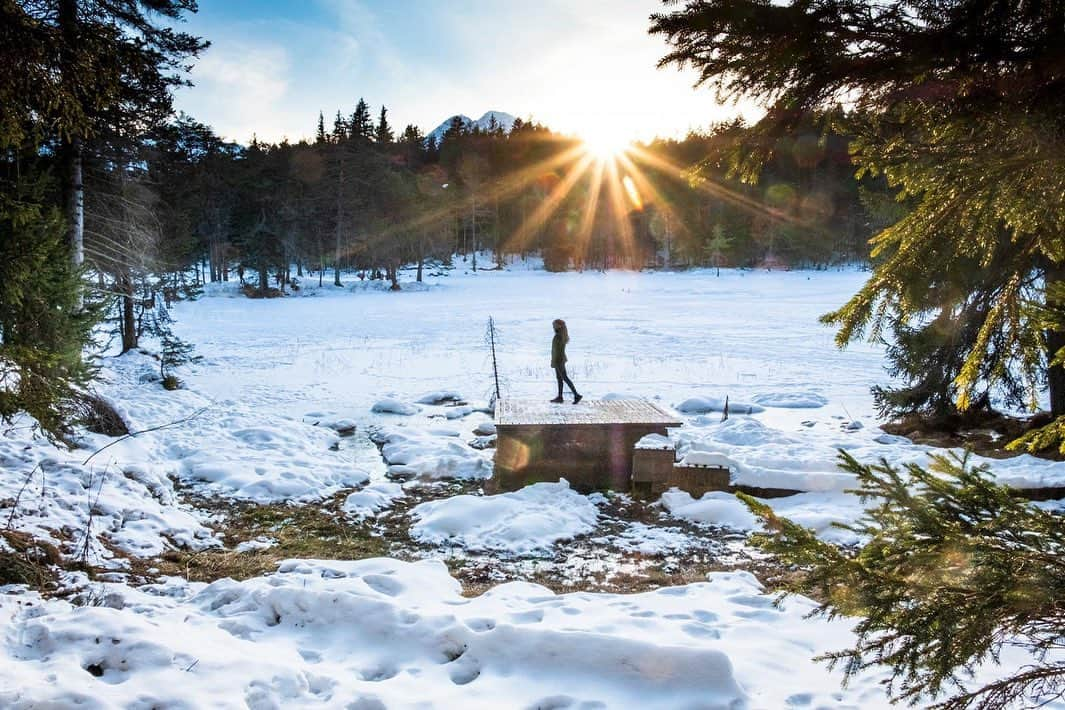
x=701 y=631
x=385 y=585
x=528 y=617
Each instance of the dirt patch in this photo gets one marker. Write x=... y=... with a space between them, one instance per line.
x=986 y=434
x=27 y=560
x=616 y=557
x=312 y=531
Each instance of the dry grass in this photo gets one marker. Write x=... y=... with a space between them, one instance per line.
x=315 y=531
x=27 y=560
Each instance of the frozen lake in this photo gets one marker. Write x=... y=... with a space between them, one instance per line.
x=659 y=335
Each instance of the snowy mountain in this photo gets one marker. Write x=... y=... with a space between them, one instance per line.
x=503 y=119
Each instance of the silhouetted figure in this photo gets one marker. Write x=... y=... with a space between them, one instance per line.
x=558 y=360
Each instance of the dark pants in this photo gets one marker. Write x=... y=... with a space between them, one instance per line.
x=561 y=376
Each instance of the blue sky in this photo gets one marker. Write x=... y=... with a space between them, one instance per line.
x=578 y=66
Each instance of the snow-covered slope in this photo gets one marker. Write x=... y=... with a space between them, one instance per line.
x=505 y=120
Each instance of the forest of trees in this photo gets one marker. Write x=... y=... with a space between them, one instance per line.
x=361 y=198
x=111 y=205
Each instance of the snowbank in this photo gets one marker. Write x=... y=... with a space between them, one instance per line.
x=714 y=508
x=790 y=400
x=817 y=511
x=269 y=461
x=411 y=452
x=654 y=442
x=524 y=521
x=485 y=429
x=384 y=633
x=372 y=499
x=48 y=492
x=394 y=406
x=440 y=397
x=763 y=456
x=702 y=405
x=237 y=448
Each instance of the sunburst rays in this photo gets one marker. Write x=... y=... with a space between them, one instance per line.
x=587 y=193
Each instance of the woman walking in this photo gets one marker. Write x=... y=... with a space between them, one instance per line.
x=558 y=360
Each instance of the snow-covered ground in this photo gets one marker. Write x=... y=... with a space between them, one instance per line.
x=266 y=417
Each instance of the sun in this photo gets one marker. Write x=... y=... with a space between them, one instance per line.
x=604 y=145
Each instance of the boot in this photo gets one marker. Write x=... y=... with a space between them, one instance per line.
x=557 y=400
x=577 y=398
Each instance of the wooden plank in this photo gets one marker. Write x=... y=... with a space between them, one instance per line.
x=527 y=412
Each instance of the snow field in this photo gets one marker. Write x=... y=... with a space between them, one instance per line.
x=805 y=456
x=385 y=633
x=259 y=421
x=236 y=447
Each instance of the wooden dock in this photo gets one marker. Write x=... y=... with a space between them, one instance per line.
x=589 y=444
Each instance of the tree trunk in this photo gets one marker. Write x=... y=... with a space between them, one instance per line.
x=1055 y=341
x=72 y=148
x=339 y=229
x=473 y=229
x=421 y=256
x=129 y=323
x=321 y=260
x=75 y=202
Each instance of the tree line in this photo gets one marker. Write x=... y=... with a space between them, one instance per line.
x=361 y=198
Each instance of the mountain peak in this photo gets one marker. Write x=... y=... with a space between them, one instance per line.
x=502 y=119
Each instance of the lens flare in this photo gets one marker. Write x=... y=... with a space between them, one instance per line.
x=634 y=194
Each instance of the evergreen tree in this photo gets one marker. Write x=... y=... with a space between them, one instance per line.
x=413 y=145
x=362 y=128
x=955 y=569
x=320 y=135
x=432 y=150
x=716 y=246
x=383 y=135
x=114 y=64
x=340 y=129
x=959 y=105
x=43 y=324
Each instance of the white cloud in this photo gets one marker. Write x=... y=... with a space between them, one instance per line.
x=572 y=66
x=240 y=89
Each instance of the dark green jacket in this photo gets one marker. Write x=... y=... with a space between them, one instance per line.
x=558 y=351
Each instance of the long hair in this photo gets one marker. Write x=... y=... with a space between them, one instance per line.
x=560 y=327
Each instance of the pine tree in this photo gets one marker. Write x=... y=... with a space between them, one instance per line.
x=383 y=135
x=960 y=106
x=954 y=569
x=716 y=246
x=413 y=145
x=320 y=135
x=340 y=129
x=115 y=64
x=43 y=324
x=432 y=149
x=361 y=125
